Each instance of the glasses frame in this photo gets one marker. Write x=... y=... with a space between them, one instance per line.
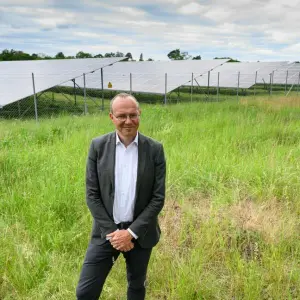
x=120 y=118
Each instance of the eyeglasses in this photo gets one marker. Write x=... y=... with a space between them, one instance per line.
x=123 y=118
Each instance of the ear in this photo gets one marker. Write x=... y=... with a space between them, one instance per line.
x=111 y=116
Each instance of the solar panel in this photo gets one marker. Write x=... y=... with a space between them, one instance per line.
x=242 y=74
x=287 y=75
x=149 y=76
x=16 y=76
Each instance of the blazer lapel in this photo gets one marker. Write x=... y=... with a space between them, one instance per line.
x=111 y=158
x=141 y=162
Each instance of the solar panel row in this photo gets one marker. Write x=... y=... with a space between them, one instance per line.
x=16 y=76
x=157 y=77
x=243 y=74
x=149 y=77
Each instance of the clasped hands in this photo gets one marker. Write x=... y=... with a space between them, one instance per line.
x=121 y=240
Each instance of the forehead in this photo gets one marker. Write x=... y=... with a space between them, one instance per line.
x=122 y=104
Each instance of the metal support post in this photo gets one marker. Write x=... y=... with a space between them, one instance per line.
x=298 y=84
x=35 y=99
x=218 y=86
x=84 y=94
x=238 y=86
x=270 y=90
x=208 y=82
x=286 y=79
x=272 y=81
x=75 y=100
x=192 y=85
x=166 y=87
x=130 y=78
x=255 y=81
x=19 y=109
x=102 y=87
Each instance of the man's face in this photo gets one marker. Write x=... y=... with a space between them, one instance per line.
x=124 y=108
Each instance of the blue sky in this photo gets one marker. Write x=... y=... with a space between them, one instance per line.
x=243 y=29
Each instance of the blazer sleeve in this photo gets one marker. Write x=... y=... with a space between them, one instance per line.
x=93 y=195
x=155 y=205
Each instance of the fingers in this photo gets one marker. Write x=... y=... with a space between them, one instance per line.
x=114 y=235
x=121 y=237
x=123 y=247
x=128 y=248
x=111 y=235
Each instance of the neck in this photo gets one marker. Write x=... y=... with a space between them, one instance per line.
x=126 y=141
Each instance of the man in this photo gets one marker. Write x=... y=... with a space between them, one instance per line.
x=125 y=191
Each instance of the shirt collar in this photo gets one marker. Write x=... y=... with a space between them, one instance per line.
x=136 y=139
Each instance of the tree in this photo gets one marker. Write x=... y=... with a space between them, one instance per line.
x=141 y=57
x=59 y=55
x=119 y=54
x=230 y=59
x=12 y=54
x=41 y=55
x=34 y=56
x=177 y=55
x=186 y=55
x=128 y=55
x=198 y=57
x=82 y=54
x=98 y=56
x=150 y=59
x=44 y=56
x=110 y=54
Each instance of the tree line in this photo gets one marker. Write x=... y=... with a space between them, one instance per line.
x=8 y=55
x=176 y=54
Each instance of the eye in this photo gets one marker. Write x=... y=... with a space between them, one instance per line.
x=133 y=116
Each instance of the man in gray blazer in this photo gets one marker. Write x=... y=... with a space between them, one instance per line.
x=125 y=191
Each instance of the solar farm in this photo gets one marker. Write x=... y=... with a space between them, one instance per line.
x=45 y=88
x=231 y=135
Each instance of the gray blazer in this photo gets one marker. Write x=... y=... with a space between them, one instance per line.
x=150 y=188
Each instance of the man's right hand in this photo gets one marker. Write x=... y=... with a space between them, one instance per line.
x=121 y=240
x=127 y=248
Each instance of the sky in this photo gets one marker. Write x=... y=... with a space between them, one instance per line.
x=242 y=29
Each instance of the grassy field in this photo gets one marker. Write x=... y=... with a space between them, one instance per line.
x=231 y=219
x=65 y=100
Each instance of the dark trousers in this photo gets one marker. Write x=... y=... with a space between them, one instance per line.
x=97 y=264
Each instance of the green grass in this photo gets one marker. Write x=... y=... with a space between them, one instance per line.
x=59 y=101
x=231 y=220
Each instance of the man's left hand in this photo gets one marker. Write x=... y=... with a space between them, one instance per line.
x=121 y=239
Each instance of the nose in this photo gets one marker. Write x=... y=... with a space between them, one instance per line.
x=128 y=120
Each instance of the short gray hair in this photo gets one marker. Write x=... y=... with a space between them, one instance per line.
x=124 y=96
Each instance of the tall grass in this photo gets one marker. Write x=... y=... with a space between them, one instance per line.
x=231 y=220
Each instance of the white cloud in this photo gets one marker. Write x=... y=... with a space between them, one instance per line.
x=45 y=17
x=130 y=11
x=245 y=28
x=292 y=49
x=219 y=14
x=192 y=8
x=22 y=2
x=147 y=24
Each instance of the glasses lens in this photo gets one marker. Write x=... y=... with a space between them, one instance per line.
x=123 y=118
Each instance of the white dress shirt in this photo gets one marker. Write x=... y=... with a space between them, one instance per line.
x=126 y=163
